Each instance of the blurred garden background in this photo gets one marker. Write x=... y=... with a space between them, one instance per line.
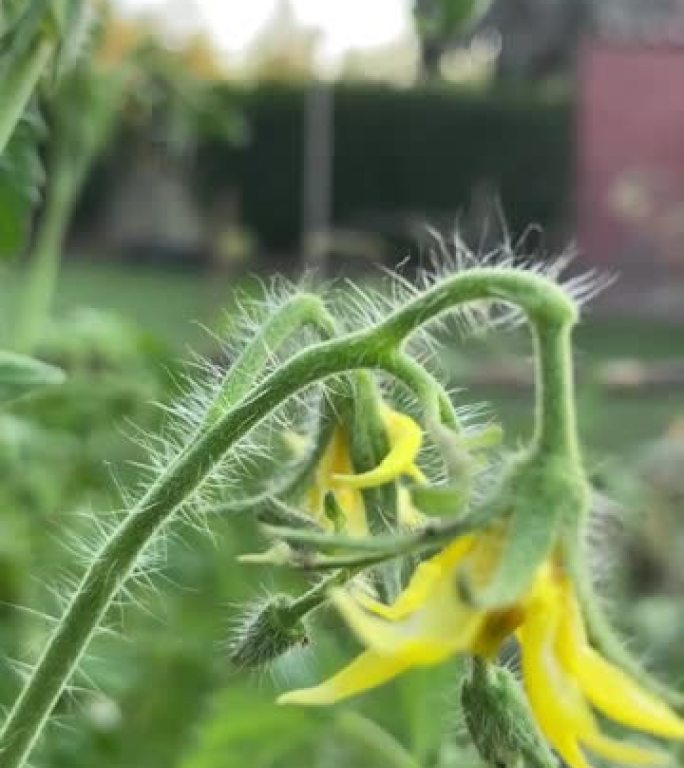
x=196 y=149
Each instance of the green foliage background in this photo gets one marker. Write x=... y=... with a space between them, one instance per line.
x=158 y=690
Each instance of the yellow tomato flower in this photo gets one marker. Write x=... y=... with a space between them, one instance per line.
x=564 y=677
x=337 y=459
x=426 y=624
x=335 y=472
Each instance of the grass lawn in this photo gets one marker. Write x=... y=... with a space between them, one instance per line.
x=173 y=305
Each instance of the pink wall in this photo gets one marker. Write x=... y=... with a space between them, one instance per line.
x=631 y=154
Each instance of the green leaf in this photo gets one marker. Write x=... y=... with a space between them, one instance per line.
x=445 y=18
x=244 y=722
x=21 y=179
x=21 y=376
x=441 y=501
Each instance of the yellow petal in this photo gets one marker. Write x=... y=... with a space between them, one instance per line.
x=351 y=503
x=336 y=459
x=408 y=516
x=620 y=698
x=368 y=670
x=417 y=474
x=387 y=637
x=405 y=438
x=606 y=686
x=557 y=705
x=496 y=628
x=372 y=605
x=568 y=748
x=620 y=752
x=428 y=621
x=424 y=580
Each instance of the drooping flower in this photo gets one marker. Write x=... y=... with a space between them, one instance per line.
x=426 y=624
x=335 y=471
x=335 y=475
x=564 y=677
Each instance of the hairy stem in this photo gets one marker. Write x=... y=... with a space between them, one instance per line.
x=300 y=311
x=556 y=420
x=429 y=392
x=542 y=302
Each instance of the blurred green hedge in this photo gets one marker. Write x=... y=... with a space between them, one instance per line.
x=399 y=154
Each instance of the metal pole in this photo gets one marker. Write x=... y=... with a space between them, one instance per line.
x=317 y=177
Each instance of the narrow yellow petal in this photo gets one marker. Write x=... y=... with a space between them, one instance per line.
x=408 y=516
x=417 y=474
x=606 y=686
x=351 y=502
x=336 y=459
x=557 y=704
x=425 y=638
x=621 y=752
x=405 y=438
x=421 y=585
x=428 y=621
x=610 y=690
x=368 y=670
x=380 y=634
x=497 y=626
x=427 y=575
x=568 y=748
x=372 y=605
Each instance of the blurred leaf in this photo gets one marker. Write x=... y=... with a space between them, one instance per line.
x=21 y=178
x=21 y=376
x=246 y=725
x=444 y=18
x=74 y=22
x=21 y=23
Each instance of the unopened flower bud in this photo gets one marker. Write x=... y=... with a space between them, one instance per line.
x=499 y=720
x=267 y=630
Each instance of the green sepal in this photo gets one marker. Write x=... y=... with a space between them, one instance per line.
x=21 y=179
x=274 y=512
x=538 y=495
x=439 y=500
x=334 y=512
x=485 y=439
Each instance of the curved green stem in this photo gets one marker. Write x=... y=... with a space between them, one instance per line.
x=376 y=549
x=540 y=299
x=300 y=311
x=556 y=420
x=434 y=400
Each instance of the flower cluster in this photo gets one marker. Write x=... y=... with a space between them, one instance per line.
x=439 y=614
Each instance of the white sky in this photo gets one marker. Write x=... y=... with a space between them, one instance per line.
x=344 y=24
